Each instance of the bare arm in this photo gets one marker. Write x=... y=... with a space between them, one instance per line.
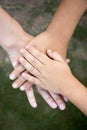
x=76 y=92
x=64 y=23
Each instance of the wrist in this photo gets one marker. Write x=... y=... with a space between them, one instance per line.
x=14 y=35
x=57 y=43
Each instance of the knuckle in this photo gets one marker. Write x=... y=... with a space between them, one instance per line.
x=38 y=55
x=30 y=68
x=33 y=61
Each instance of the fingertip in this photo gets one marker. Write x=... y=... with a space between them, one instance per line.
x=62 y=106
x=34 y=105
x=22 y=88
x=12 y=76
x=27 y=47
x=67 y=60
x=23 y=74
x=49 y=51
x=15 y=64
x=22 y=50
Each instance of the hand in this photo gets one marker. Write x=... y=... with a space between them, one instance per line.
x=42 y=43
x=43 y=69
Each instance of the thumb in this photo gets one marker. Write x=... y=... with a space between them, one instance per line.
x=54 y=55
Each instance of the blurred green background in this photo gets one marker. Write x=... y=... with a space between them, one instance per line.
x=15 y=111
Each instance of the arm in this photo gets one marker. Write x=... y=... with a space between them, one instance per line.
x=9 y=27
x=12 y=33
x=76 y=92
x=64 y=23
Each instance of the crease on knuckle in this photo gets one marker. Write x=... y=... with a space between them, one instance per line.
x=39 y=56
x=30 y=68
x=33 y=61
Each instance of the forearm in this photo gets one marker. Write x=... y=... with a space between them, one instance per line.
x=10 y=31
x=76 y=93
x=64 y=22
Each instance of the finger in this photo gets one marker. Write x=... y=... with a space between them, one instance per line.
x=31 y=59
x=16 y=63
x=47 y=97
x=55 y=55
x=16 y=72
x=38 y=54
x=67 y=60
x=29 y=67
x=65 y=98
x=18 y=82
x=59 y=100
x=25 y=86
x=31 y=97
x=31 y=78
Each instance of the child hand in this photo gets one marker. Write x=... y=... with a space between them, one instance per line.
x=44 y=69
x=52 y=99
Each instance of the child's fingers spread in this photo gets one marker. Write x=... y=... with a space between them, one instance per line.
x=31 y=97
x=59 y=101
x=29 y=67
x=16 y=72
x=55 y=55
x=38 y=54
x=18 y=82
x=47 y=97
x=31 y=79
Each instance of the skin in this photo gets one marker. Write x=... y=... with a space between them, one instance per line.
x=57 y=35
x=43 y=69
x=15 y=39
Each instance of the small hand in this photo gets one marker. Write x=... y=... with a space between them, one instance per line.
x=52 y=99
x=40 y=66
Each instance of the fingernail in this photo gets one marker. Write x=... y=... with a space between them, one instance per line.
x=65 y=99
x=21 y=59
x=14 y=85
x=15 y=64
x=23 y=74
x=27 y=47
x=54 y=105
x=62 y=106
x=12 y=76
x=49 y=51
x=34 y=105
x=22 y=88
x=21 y=50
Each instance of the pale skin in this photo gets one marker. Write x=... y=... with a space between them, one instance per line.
x=53 y=73
x=12 y=39
x=57 y=35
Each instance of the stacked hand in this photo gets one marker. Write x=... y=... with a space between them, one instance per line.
x=41 y=42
